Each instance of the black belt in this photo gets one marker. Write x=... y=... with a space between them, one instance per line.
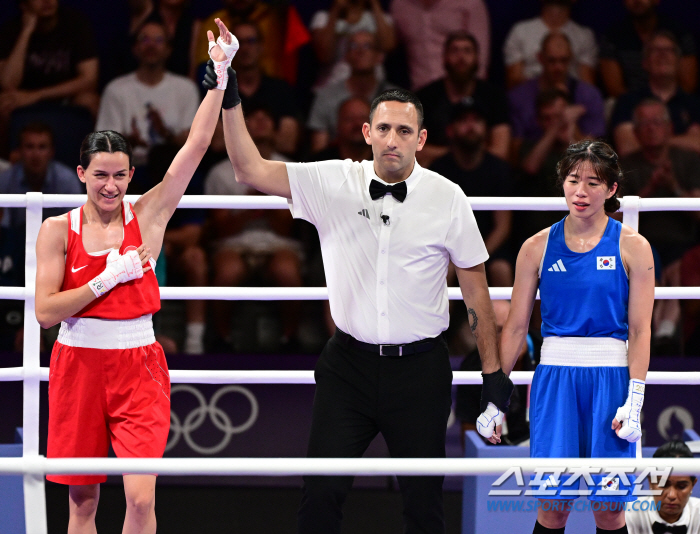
x=416 y=347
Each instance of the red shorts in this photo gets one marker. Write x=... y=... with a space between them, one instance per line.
x=98 y=396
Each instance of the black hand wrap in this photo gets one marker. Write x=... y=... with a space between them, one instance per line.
x=497 y=389
x=231 y=96
x=209 y=82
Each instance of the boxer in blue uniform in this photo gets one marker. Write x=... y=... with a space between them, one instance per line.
x=596 y=282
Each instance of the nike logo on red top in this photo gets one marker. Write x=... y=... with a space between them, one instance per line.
x=73 y=269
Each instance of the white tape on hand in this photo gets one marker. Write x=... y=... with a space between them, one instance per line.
x=221 y=66
x=488 y=421
x=629 y=413
x=120 y=268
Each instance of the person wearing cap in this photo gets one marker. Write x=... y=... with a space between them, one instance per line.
x=673 y=510
x=480 y=174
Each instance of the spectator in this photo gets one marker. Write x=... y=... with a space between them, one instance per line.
x=253 y=241
x=524 y=39
x=480 y=174
x=662 y=62
x=538 y=159
x=555 y=58
x=622 y=46
x=461 y=61
x=350 y=142
x=48 y=55
x=35 y=171
x=677 y=511
x=659 y=169
x=281 y=28
x=176 y=17
x=150 y=106
x=256 y=88
x=363 y=56
x=516 y=427
x=330 y=31
x=423 y=26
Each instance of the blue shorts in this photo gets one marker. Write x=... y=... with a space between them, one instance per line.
x=571 y=413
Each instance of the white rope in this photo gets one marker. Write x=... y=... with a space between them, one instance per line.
x=316 y=293
x=39 y=465
x=188 y=376
x=271 y=202
x=34 y=466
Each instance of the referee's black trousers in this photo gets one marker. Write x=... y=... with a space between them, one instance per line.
x=359 y=394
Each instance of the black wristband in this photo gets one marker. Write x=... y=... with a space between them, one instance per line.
x=209 y=82
x=497 y=389
x=231 y=96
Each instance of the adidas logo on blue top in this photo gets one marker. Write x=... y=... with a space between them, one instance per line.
x=558 y=267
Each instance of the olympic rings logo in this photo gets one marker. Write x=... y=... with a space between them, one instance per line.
x=218 y=417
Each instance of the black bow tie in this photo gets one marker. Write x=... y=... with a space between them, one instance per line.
x=378 y=190
x=660 y=528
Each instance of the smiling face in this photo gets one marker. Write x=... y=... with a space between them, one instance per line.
x=395 y=138
x=585 y=192
x=106 y=179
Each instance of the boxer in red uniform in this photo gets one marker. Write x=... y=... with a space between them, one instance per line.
x=108 y=378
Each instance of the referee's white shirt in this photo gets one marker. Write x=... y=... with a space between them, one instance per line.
x=386 y=281
x=640 y=521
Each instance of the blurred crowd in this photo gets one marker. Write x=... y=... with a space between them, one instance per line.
x=503 y=99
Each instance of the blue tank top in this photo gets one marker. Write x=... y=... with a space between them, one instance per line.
x=584 y=294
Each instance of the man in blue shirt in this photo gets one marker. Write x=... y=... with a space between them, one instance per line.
x=35 y=171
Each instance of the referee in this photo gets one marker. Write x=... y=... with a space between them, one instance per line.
x=388 y=229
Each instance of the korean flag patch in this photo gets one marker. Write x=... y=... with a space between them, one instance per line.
x=610 y=483
x=606 y=262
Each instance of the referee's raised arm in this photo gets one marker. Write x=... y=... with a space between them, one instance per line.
x=266 y=176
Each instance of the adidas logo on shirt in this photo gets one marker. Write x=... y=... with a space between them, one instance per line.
x=558 y=267
x=364 y=213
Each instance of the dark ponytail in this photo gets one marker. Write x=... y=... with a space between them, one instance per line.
x=604 y=161
x=105 y=141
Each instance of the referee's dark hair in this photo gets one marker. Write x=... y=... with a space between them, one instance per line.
x=604 y=161
x=674 y=449
x=398 y=95
x=105 y=141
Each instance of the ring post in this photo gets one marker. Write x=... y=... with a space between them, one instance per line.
x=34 y=495
x=630 y=212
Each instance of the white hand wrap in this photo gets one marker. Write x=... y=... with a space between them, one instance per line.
x=488 y=421
x=628 y=414
x=120 y=269
x=221 y=66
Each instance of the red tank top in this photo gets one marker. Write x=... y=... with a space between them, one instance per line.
x=126 y=301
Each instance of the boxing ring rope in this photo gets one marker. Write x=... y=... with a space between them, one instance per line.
x=323 y=466
x=34 y=467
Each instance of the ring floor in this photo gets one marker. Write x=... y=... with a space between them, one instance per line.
x=234 y=510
